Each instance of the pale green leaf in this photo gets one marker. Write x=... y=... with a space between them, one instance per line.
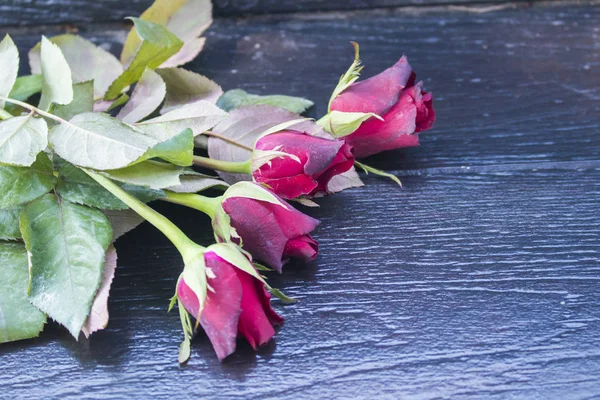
x=185 y=87
x=98 y=318
x=196 y=183
x=21 y=139
x=349 y=77
x=87 y=61
x=237 y=98
x=9 y=223
x=19 y=185
x=146 y=97
x=67 y=243
x=194 y=275
x=25 y=87
x=199 y=117
x=379 y=172
x=19 y=319
x=57 y=85
x=345 y=180
x=158 y=44
x=188 y=52
x=187 y=19
x=123 y=221
x=83 y=101
x=119 y=101
x=99 y=141
x=9 y=65
x=233 y=255
x=152 y=174
x=77 y=187
x=341 y=124
x=178 y=150
x=252 y=191
x=281 y=296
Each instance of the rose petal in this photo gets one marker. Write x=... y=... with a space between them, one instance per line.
x=253 y=323
x=377 y=94
x=303 y=247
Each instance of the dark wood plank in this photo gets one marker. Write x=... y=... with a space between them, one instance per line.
x=509 y=87
x=477 y=280
x=459 y=286
x=36 y=12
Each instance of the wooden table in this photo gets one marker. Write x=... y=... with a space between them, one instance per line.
x=478 y=280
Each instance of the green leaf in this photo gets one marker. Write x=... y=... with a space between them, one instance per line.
x=185 y=87
x=233 y=255
x=9 y=65
x=379 y=172
x=281 y=296
x=346 y=180
x=21 y=139
x=187 y=19
x=237 y=98
x=341 y=124
x=197 y=183
x=9 y=223
x=87 y=61
x=83 y=101
x=57 y=85
x=77 y=187
x=349 y=77
x=98 y=318
x=122 y=221
x=153 y=174
x=19 y=319
x=158 y=44
x=199 y=117
x=19 y=185
x=25 y=87
x=119 y=101
x=178 y=150
x=252 y=191
x=67 y=243
x=146 y=97
x=109 y=143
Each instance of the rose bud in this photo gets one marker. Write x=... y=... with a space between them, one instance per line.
x=265 y=225
x=237 y=303
x=312 y=164
x=393 y=95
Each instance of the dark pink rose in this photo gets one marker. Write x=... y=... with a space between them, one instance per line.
x=320 y=160
x=406 y=110
x=237 y=305
x=273 y=232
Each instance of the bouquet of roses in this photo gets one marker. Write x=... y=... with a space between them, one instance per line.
x=87 y=140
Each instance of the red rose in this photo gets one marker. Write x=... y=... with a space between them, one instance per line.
x=320 y=160
x=406 y=110
x=272 y=232
x=237 y=304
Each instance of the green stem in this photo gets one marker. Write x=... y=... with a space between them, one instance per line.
x=240 y=167
x=207 y=205
x=35 y=109
x=5 y=114
x=184 y=244
x=228 y=140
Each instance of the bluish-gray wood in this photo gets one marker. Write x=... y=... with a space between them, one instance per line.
x=36 y=12
x=478 y=280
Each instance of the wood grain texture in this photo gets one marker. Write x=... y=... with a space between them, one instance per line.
x=478 y=280
x=36 y=12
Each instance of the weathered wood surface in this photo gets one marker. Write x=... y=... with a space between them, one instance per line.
x=35 y=12
x=477 y=280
